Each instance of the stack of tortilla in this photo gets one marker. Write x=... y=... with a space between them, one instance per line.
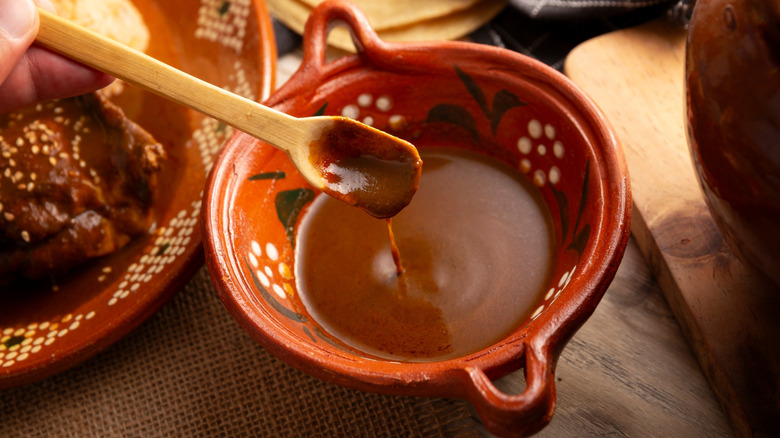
x=399 y=20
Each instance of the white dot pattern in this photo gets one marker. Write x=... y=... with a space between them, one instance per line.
x=367 y=102
x=271 y=251
x=540 y=156
x=17 y=344
x=225 y=26
x=171 y=242
x=351 y=111
x=534 y=128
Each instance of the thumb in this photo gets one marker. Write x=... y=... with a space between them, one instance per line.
x=18 y=27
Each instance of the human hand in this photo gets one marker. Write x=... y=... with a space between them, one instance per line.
x=30 y=73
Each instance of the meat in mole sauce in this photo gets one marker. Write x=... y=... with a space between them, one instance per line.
x=77 y=180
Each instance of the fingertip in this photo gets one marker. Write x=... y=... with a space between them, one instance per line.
x=46 y=4
x=44 y=75
x=18 y=22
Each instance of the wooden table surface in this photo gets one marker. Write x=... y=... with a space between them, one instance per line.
x=628 y=371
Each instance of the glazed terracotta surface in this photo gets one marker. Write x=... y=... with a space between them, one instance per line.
x=733 y=115
x=491 y=101
x=48 y=326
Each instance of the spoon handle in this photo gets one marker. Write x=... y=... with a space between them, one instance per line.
x=123 y=62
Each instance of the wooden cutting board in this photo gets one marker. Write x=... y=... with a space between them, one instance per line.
x=728 y=312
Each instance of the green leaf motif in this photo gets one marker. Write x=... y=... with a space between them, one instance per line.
x=308 y=333
x=289 y=204
x=268 y=175
x=584 y=196
x=15 y=340
x=563 y=209
x=474 y=90
x=321 y=111
x=270 y=298
x=223 y=8
x=578 y=242
x=502 y=102
x=455 y=114
x=579 y=239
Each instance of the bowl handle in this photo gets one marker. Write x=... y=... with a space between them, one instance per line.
x=515 y=415
x=320 y=22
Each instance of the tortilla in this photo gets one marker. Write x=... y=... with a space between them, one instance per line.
x=293 y=13
x=394 y=13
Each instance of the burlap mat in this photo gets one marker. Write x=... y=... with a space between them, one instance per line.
x=192 y=371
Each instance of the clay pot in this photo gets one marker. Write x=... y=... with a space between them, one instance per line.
x=536 y=120
x=733 y=115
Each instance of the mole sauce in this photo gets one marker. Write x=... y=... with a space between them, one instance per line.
x=475 y=245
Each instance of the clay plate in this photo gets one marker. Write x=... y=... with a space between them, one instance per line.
x=52 y=325
x=535 y=120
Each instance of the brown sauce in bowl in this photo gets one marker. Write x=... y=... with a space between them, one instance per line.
x=475 y=245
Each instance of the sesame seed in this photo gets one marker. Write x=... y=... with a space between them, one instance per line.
x=18 y=175
x=19 y=141
x=8 y=216
x=63 y=155
x=58 y=110
x=36 y=149
x=7 y=172
x=38 y=107
x=11 y=162
x=25 y=236
x=53 y=161
x=45 y=149
x=59 y=119
x=33 y=176
x=30 y=186
x=6 y=154
x=21 y=186
x=1 y=206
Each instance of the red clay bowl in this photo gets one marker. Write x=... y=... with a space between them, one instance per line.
x=536 y=121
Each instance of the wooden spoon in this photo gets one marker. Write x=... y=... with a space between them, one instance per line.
x=346 y=159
